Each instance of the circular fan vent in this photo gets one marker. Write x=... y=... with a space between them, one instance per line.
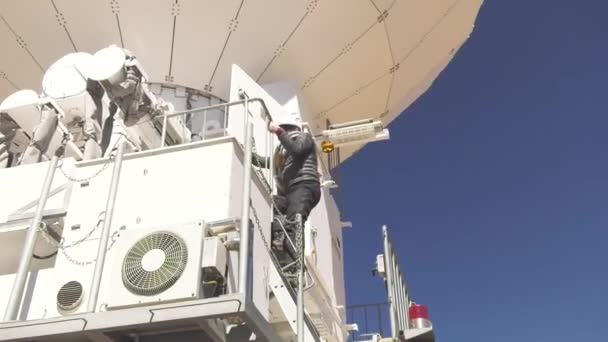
x=154 y=263
x=69 y=296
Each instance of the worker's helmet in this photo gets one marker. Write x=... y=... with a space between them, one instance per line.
x=290 y=120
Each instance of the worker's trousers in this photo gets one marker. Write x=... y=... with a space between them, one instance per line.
x=300 y=199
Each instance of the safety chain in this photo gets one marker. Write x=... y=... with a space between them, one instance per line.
x=104 y=166
x=259 y=172
x=297 y=246
x=87 y=179
x=264 y=240
x=299 y=243
x=273 y=257
x=63 y=247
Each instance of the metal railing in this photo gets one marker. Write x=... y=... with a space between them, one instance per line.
x=371 y=319
x=392 y=317
x=197 y=111
x=396 y=288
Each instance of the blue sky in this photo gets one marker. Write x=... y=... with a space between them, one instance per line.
x=495 y=182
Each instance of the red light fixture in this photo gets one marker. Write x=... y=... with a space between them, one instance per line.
x=419 y=317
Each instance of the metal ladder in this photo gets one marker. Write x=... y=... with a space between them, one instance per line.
x=286 y=298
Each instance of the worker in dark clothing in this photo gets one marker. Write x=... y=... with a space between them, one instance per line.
x=298 y=186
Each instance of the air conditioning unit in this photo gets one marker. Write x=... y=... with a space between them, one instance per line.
x=155 y=265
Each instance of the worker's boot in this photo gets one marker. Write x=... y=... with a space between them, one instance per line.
x=279 y=242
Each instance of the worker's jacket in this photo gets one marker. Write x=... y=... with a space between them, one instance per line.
x=295 y=160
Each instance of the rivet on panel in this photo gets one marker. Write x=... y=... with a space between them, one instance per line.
x=383 y=16
x=311 y=6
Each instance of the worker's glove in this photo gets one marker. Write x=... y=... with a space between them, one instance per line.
x=274 y=128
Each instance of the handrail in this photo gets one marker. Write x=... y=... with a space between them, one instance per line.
x=396 y=287
x=107 y=225
x=205 y=109
x=367 y=319
x=244 y=262
x=16 y=296
x=217 y=106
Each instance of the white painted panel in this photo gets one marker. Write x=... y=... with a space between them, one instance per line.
x=337 y=251
x=147 y=31
x=200 y=33
x=15 y=62
x=24 y=183
x=322 y=35
x=435 y=52
x=448 y=22
x=66 y=271
x=261 y=204
x=288 y=95
x=167 y=188
x=408 y=21
x=319 y=221
x=256 y=41
x=180 y=186
x=382 y=5
x=91 y=24
x=46 y=39
x=240 y=80
x=38 y=300
x=367 y=60
x=325 y=218
x=368 y=103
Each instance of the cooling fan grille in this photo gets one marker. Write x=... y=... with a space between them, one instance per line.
x=154 y=263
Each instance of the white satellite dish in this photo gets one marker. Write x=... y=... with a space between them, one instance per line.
x=19 y=98
x=22 y=107
x=65 y=78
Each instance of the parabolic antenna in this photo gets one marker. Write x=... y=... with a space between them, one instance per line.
x=66 y=77
x=351 y=59
x=107 y=64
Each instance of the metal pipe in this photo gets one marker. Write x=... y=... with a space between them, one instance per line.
x=225 y=126
x=300 y=303
x=228 y=104
x=389 y=281
x=397 y=294
x=380 y=321
x=244 y=247
x=107 y=224
x=271 y=174
x=163 y=134
x=204 y=124
x=406 y=305
x=14 y=302
x=397 y=291
x=400 y=294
